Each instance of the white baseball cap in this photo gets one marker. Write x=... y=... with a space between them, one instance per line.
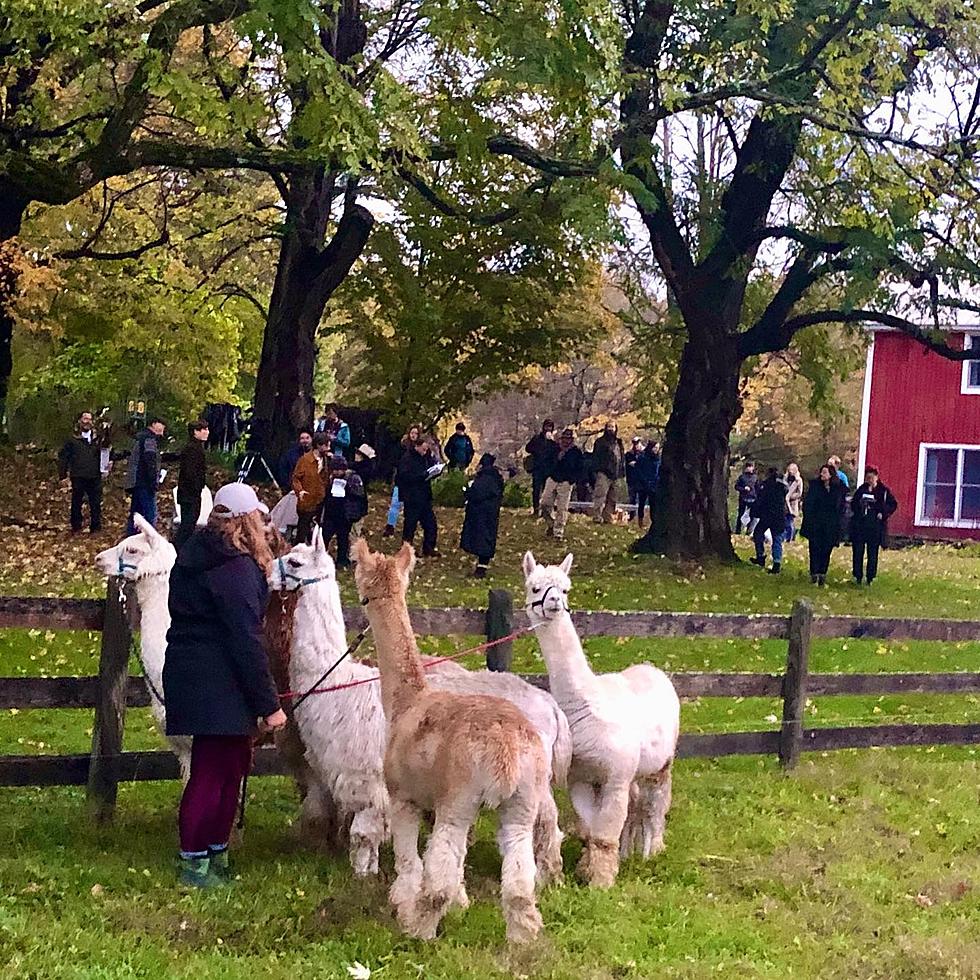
x=238 y=499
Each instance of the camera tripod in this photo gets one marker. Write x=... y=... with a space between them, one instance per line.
x=248 y=462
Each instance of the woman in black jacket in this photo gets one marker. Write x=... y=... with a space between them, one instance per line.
x=191 y=481
x=415 y=492
x=216 y=679
x=822 y=510
x=483 y=499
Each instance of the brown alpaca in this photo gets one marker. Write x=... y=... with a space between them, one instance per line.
x=449 y=754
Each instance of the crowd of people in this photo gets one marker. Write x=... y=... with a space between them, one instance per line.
x=329 y=481
x=769 y=509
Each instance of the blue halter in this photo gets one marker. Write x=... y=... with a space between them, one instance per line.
x=290 y=576
x=124 y=565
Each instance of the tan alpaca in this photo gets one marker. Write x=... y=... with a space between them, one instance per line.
x=449 y=754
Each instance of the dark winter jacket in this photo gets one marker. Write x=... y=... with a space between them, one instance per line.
x=647 y=471
x=770 y=505
x=80 y=459
x=822 y=509
x=568 y=467
x=631 y=459
x=607 y=455
x=870 y=510
x=459 y=451
x=543 y=452
x=287 y=463
x=745 y=486
x=364 y=468
x=193 y=471
x=352 y=506
x=216 y=678
x=414 y=486
x=144 y=462
x=483 y=499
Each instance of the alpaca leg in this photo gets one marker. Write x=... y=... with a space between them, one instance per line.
x=442 y=875
x=607 y=827
x=547 y=842
x=631 y=836
x=658 y=795
x=367 y=833
x=318 y=819
x=408 y=865
x=585 y=803
x=516 y=841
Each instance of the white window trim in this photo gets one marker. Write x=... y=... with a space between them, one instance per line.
x=920 y=489
x=969 y=340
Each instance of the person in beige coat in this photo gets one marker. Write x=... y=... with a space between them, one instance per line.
x=794 y=500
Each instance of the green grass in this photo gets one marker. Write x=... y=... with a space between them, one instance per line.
x=858 y=865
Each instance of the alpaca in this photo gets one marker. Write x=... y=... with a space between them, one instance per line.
x=449 y=754
x=145 y=559
x=624 y=733
x=345 y=731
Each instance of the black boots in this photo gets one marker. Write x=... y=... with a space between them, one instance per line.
x=776 y=567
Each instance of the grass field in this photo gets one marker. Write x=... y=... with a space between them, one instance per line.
x=859 y=864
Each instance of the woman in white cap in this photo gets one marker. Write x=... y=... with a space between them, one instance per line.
x=216 y=680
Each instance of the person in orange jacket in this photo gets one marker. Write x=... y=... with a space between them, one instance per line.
x=309 y=483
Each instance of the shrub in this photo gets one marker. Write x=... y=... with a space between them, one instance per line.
x=447 y=490
x=516 y=494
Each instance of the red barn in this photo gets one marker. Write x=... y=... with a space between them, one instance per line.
x=920 y=425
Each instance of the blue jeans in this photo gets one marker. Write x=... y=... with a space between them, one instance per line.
x=759 y=537
x=395 y=509
x=790 y=528
x=144 y=503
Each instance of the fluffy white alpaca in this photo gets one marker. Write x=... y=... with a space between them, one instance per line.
x=624 y=733
x=145 y=559
x=345 y=732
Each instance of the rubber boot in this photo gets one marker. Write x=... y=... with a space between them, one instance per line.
x=195 y=872
x=480 y=571
x=775 y=568
x=219 y=864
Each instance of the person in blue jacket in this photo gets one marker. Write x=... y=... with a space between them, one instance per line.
x=217 y=684
x=647 y=475
x=459 y=449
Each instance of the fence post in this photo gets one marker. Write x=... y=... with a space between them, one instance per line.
x=500 y=622
x=794 y=683
x=110 y=708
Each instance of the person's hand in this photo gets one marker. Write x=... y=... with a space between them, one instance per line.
x=273 y=722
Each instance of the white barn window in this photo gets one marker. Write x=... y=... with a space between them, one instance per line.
x=948 y=492
x=970 y=384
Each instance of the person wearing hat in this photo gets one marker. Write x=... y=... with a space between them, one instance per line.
x=566 y=471
x=344 y=504
x=483 y=499
x=364 y=457
x=216 y=679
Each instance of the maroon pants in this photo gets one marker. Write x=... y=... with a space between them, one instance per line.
x=210 y=800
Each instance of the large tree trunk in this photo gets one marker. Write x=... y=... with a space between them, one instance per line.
x=12 y=207
x=690 y=512
x=306 y=277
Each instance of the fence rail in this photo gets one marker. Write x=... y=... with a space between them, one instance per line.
x=113 y=691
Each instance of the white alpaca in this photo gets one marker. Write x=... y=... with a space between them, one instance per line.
x=345 y=731
x=145 y=559
x=624 y=733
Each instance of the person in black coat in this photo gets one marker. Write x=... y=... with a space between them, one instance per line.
x=415 y=493
x=191 y=481
x=822 y=508
x=769 y=510
x=542 y=450
x=871 y=506
x=80 y=460
x=344 y=504
x=216 y=679
x=484 y=497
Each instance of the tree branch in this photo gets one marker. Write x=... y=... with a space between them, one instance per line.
x=87 y=250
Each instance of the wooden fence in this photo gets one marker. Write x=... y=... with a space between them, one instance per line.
x=113 y=690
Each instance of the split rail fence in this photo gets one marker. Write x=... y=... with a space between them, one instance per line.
x=113 y=689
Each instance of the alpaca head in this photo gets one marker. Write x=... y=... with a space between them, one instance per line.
x=304 y=564
x=145 y=553
x=547 y=589
x=379 y=577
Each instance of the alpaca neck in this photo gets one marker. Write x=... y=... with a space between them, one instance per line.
x=569 y=673
x=319 y=636
x=152 y=592
x=402 y=674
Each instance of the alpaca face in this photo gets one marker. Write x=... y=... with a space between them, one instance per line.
x=378 y=576
x=139 y=555
x=303 y=565
x=547 y=588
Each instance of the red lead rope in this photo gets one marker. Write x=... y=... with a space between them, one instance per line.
x=427 y=664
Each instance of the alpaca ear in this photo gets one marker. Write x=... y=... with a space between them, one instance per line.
x=317 y=540
x=566 y=565
x=405 y=559
x=360 y=551
x=145 y=527
x=529 y=564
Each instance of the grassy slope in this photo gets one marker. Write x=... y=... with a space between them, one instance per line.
x=860 y=864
